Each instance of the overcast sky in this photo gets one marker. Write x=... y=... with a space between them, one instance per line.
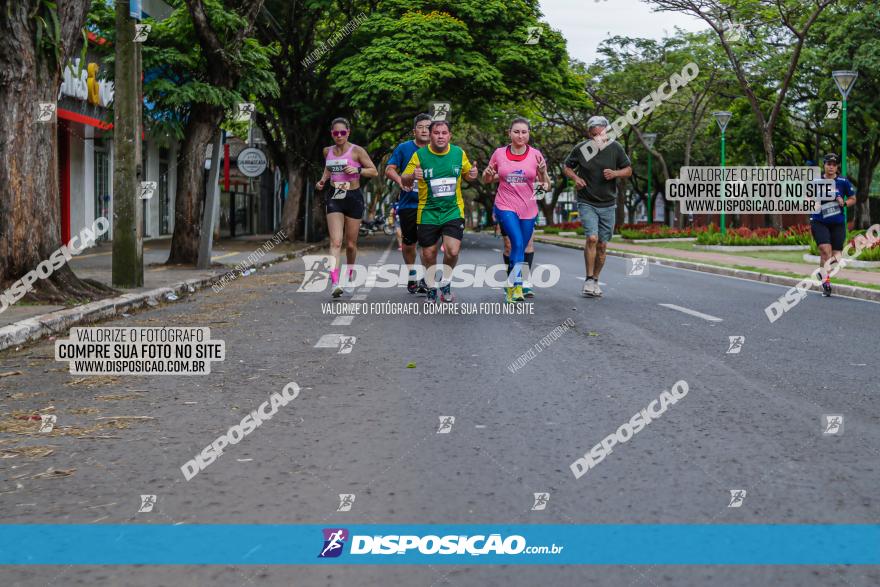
x=586 y=23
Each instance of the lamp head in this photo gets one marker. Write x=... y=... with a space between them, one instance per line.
x=845 y=80
x=722 y=118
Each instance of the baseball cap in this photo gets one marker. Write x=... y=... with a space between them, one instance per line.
x=831 y=158
x=597 y=121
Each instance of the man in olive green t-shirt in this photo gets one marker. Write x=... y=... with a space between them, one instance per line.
x=595 y=179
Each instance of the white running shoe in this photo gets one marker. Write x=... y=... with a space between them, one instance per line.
x=597 y=291
x=589 y=289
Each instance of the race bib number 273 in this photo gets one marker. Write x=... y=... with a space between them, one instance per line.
x=443 y=186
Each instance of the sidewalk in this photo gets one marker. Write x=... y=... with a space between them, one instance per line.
x=769 y=270
x=24 y=321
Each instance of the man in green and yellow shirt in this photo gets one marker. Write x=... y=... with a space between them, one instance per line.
x=439 y=167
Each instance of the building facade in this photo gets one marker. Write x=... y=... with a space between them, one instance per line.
x=85 y=150
x=85 y=158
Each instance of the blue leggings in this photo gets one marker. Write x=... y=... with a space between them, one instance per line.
x=519 y=231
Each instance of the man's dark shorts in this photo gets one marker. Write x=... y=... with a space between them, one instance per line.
x=408 y=226
x=429 y=234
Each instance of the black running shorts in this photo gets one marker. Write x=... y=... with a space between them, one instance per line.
x=825 y=234
x=408 y=227
x=352 y=204
x=429 y=234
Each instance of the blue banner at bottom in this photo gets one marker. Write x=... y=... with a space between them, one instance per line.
x=458 y=544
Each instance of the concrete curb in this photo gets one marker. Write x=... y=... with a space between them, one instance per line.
x=37 y=327
x=850 y=291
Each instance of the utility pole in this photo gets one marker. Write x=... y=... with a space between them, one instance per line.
x=206 y=236
x=128 y=246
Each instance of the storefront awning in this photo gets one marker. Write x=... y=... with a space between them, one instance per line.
x=83 y=119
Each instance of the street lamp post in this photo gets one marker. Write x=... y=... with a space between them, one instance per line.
x=649 y=138
x=722 y=118
x=845 y=80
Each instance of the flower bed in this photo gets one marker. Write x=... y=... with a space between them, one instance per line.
x=744 y=236
x=564 y=227
x=643 y=231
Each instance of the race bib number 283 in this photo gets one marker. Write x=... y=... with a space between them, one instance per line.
x=336 y=165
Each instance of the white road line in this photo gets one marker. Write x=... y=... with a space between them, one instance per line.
x=692 y=312
x=372 y=271
x=659 y=263
x=497 y=250
x=328 y=341
x=358 y=298
x=342 y=321
x=384 y=256
x=341 y=342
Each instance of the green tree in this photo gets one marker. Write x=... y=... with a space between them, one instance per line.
x=37 y=38
x=851 y=40
x=630 y=69
x=211 y=61
x=199 y=62
x=400 y=57
x=779 y=27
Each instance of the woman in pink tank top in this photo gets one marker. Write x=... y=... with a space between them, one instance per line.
x=344 y=164
x=517 y=167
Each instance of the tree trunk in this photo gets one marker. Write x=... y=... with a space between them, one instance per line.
x=862 y=210
x=290 y=211
x=224 y=71
x=770 y=153
x=546 y=209
x=688 y=148
x=30 y=224
x=190 y=195
x=319 y=218
x=558 y=186
x=619 y=213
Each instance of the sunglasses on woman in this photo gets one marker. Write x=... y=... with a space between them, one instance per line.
x=339 y=133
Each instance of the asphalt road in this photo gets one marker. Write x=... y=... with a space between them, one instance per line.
x=365 y=424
